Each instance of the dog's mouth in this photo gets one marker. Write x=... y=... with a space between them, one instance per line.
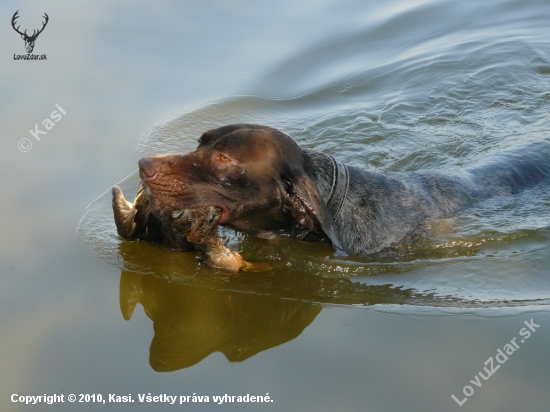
x=184 y=213
x=223 y=210
x=167 y=207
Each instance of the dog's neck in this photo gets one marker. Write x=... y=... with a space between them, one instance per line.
x=331 y=178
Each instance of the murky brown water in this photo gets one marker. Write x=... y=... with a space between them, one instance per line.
x=397 y=86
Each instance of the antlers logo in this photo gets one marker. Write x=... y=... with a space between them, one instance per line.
x=29 y=40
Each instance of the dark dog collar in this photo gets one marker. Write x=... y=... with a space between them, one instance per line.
x=336 y=197
x=339 y=189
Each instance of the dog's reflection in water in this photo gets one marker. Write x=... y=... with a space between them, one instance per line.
x=191 y=322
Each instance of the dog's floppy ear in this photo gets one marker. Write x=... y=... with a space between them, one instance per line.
x=303 y=201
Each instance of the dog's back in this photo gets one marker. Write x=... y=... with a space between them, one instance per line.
x=512 y=171
x=384 y=208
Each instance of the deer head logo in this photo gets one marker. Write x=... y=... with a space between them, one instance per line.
x=29 y=40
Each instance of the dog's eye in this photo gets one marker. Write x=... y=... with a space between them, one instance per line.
x=222 y=158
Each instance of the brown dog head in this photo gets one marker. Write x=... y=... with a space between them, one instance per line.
x=254 y=174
